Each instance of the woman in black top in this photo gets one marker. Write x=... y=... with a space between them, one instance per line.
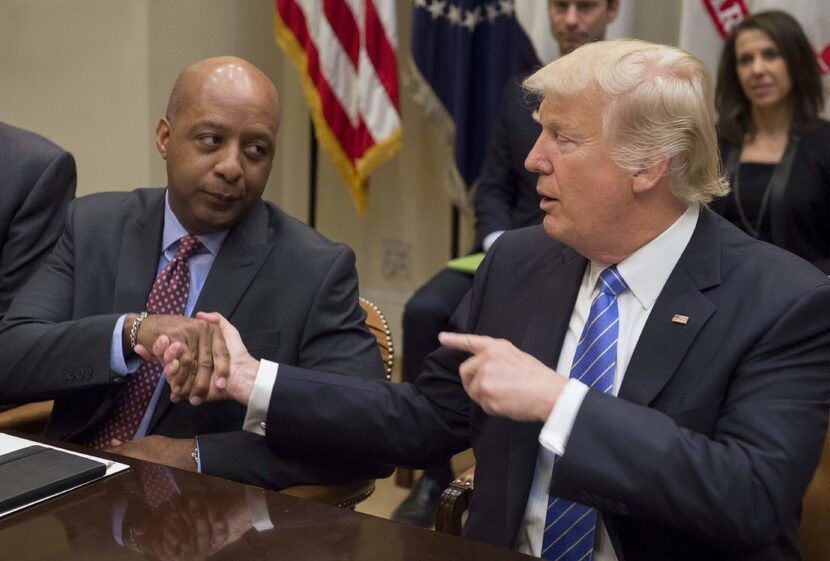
x=774 y=147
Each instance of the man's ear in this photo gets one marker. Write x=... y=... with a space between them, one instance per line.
x=162 y=136
x=649 y=175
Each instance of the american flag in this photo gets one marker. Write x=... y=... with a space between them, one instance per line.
x=464 y=52
x=344 y=51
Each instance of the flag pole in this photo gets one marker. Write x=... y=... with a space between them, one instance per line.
x=312 y=175
x=454 y=227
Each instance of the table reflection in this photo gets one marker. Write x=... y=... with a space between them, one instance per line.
x=154 y=512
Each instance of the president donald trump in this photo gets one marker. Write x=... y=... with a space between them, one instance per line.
x=638 y=378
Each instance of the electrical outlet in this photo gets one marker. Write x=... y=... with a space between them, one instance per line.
x=396 y=261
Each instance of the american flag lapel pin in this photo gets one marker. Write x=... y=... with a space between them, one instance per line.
x=681 y=319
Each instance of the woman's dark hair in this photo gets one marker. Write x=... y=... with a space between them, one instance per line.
x=807 y=94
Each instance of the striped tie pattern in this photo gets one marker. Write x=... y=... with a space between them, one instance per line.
x=569 y=526
x=168 y=296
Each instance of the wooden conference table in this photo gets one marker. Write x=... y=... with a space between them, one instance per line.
x=155 y=512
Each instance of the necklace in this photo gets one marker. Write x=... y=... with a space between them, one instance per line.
x=752 y=230
x=775 y=186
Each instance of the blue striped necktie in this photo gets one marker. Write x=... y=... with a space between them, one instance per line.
x=569 y=526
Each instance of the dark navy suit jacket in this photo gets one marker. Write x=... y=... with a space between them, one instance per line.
x=705 y=453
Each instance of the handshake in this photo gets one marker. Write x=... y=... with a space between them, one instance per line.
x=203 y=357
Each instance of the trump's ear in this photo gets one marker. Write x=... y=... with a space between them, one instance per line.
x=162 y=137
x=649 y=175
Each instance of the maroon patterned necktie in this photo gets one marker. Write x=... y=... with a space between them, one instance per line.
x=157 y=483
x=168 y=296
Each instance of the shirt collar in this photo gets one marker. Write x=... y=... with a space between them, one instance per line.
x=646 y=270
x=173 y=231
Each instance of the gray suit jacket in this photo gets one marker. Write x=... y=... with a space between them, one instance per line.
x=707 y=450
x=37 y=182
x=292 y=294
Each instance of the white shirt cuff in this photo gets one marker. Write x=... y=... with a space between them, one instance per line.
x=490 y=239
x=257 y=411
x=557 y=428
x=198 y=457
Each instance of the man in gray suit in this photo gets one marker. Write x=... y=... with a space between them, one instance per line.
x=207 y=241
x=38 y=182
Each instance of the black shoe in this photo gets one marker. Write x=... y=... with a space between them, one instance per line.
x=418 y=508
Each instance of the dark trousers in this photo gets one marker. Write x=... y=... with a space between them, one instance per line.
x=428 y=313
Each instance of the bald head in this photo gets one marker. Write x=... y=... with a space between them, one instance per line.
x=218 y=139
x=224 y=75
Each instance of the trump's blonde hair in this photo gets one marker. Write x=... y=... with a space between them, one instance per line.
x=657 y=104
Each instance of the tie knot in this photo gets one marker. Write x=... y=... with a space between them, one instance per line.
x=188 y=245
x=611 y=282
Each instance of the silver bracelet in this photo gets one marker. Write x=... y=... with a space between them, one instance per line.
x=134 y=329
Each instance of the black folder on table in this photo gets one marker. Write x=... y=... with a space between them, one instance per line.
x=36 y=472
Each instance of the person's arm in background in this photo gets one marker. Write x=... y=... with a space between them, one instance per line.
x=37 y=203
x=503 y=175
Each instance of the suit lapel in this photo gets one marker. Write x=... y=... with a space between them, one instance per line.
x=663 y=342
x=552 y=297
x=235 y=267
x=139 y=257
x=137 y=263
x=240 y=259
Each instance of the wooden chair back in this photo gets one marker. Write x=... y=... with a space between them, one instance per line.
x=815 y=513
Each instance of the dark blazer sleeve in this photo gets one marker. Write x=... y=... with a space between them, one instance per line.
x=419 y=425
x=357 y=419
x=44 y=354
x=802 y=219
x=505 y=196
x=38 y=184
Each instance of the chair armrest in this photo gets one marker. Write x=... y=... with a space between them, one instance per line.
x=346 y=495
x=454 y=502
x=815 y=514
x=29 y=417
